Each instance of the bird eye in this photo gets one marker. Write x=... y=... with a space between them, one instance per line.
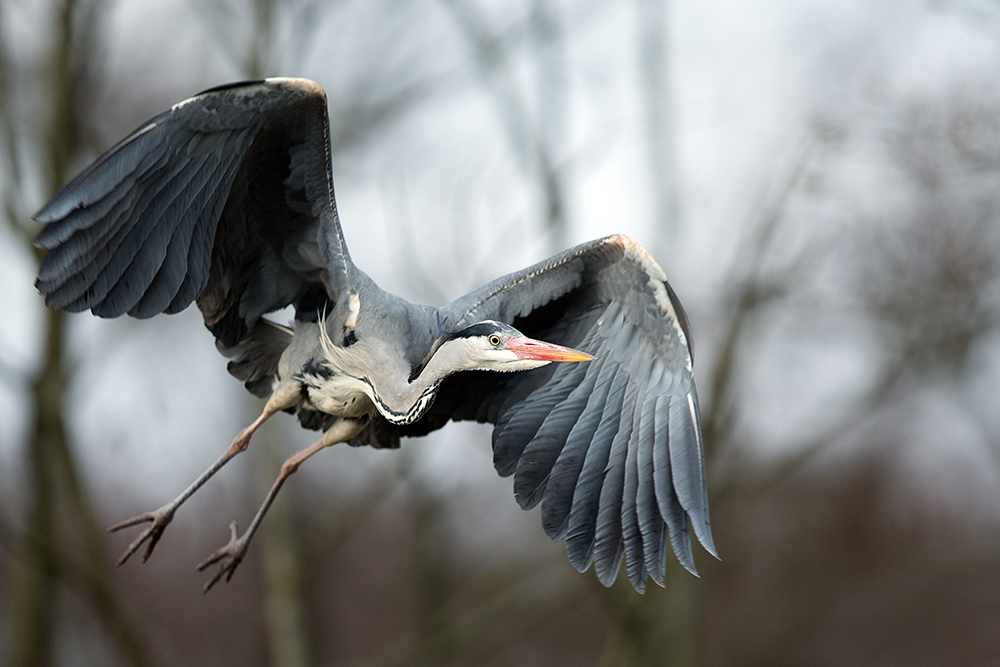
x=494 y=340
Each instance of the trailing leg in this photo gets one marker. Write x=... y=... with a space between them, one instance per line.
x=233 y=552
x=286 y=395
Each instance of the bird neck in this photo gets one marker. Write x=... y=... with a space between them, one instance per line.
x=404 y=401
x=381 y=373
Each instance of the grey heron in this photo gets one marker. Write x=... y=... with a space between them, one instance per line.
x=226 y=199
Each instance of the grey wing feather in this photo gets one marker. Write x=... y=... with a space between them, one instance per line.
x=516 y=427
x=566 y=470
x=666 y=494
x=608 y=532
x=613 y=451
x=379 y=434
x=687 y=463
x=254 y=359
x=226 y=198
x=585 y=513
x=653 y=525
x=538 y=458
x=642 y=437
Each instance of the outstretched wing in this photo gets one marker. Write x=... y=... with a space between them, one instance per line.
x=611 y=448
x=226 y=198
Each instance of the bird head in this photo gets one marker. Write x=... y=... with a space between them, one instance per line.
x=495 y=346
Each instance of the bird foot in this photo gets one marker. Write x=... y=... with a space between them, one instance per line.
x=231 y=556
x=159 y=520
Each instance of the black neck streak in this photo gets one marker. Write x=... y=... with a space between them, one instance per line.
x=415 y=411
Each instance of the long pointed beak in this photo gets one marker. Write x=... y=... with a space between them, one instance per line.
x=529 y=348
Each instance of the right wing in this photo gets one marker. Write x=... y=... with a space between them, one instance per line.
x=611 y=448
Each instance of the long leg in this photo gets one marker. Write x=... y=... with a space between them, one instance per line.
x=284 y=396
x=232 y=554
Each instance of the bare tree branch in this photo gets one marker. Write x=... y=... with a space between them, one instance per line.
x=751 y=292
x=531 y=146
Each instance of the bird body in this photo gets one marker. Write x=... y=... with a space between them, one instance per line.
x=226 y=199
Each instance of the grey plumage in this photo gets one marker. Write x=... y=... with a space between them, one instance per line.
x=602 y=413
x=254 y=359
x=227 y=200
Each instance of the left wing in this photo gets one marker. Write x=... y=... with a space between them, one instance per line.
x=611 y=448
x=226 y=197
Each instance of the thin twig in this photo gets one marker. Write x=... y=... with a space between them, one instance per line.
x=530 y=146
x=749 y=296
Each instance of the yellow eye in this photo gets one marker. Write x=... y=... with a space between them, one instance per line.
x=494 y=340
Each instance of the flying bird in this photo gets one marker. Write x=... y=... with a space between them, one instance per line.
x=582 y=362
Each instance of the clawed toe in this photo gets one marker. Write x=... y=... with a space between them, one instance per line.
x=231 y=556
x=158 y=519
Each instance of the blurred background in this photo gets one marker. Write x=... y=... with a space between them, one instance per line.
x=820 y=181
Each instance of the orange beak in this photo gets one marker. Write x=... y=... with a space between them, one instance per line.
x=529 y=348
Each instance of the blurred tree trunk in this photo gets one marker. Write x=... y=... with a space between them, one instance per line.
x=654 y=87
x=658 y=629
x=552 y=119
x=535 y=141
x=284 y=603
x=34 y=614
x=284 y=598
x=436 y=642
x=55 y=485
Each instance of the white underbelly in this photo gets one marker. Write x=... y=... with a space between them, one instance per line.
x=346 y=398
